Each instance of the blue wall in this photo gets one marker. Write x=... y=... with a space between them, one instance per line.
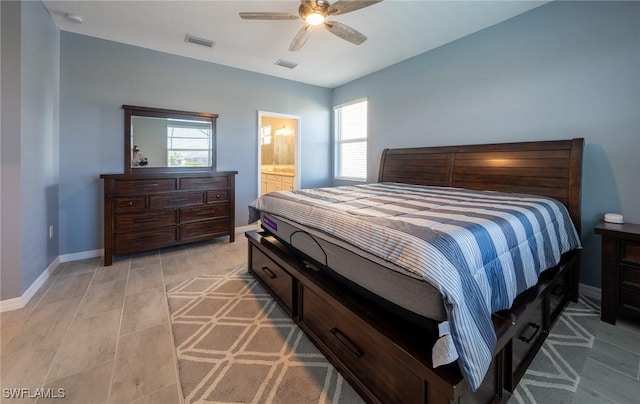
x=30 y=101
x=99 y=76
x=563 y=70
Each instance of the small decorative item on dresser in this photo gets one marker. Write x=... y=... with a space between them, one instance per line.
x=620 y=270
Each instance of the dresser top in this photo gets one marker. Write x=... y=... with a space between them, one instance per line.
x=628 y=231
x=174 y=174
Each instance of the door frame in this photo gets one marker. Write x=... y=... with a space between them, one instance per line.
x=298 y=119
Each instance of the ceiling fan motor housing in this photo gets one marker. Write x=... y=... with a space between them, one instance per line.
x=306 y=7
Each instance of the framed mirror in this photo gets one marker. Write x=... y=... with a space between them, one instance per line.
x=162 y=140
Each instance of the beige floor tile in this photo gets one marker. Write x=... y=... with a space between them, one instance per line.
x=143 y=310
x=46 y=325
x=88 y=387
x=81 y=266
x=103 y=297
x=145 y=259
x=117 y=271
x=6 y=333
x=168 y=395
x=25 y=369
x=89 y=341
x=67 y=287
x=144 y=278
x=144 y=364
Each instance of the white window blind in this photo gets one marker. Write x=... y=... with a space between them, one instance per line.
x=351 y=140
x=188 y=145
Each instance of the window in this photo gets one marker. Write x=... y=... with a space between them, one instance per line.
x=188 y=145
x=351 y=140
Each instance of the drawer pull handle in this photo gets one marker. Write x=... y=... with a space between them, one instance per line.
x=151 y=219
x=130 y=203
x=148 y=237
x=218 y=196
x=269 y=273
x=558 y=290
x=344 y=340
x=150 y=185
x=204 y=213
x=180 y=200
x=535 y=327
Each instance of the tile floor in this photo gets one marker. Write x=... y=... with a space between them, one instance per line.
x=103 y=333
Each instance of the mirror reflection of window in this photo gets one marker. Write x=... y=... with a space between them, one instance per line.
x=188 y=146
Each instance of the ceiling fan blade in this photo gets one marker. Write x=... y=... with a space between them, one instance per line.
x=345 y=32
x=347 y=6
x=269 y=16
x=301 y=38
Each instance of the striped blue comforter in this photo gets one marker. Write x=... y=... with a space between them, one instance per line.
x=480 y=249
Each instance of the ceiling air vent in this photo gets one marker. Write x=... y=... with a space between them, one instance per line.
x=286 y=63
x=200 y=41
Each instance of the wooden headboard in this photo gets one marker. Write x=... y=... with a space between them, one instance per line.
x=549 y=168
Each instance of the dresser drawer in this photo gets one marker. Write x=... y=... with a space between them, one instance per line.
x=147 y=220
x=630 y=276
x=631 y=252
x=361 y=348
x=529 y=335
x=145 y=186
x=276 y=278
x=204 y=183
x=207 y=229
x=559 y=294
x=125 y=243
x=630 y=299
x=129 y=203
x=176 y=200
x=219 y=211
x=216 y=196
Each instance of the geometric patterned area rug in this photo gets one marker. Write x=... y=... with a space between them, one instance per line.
x=235 y=344
x=554 y=374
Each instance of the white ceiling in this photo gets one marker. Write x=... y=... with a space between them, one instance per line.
x=396 y=30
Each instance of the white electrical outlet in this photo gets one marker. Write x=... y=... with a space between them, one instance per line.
x=51 y=231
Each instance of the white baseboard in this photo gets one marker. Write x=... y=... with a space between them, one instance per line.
x=590 y=291
x=20 y=302
x=82 y=255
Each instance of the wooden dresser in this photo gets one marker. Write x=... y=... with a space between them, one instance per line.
x=150 y=211
x=620 y=270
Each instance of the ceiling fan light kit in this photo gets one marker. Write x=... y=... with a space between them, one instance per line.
x=316 y=12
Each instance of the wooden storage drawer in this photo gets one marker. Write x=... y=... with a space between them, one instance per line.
x=204 y=183
x=139 y=221
x=204 y=229
x=559 y=295
x=208 y=212
x=631 y=252
x=216 y=196
x=630 y=276
x=276 y=278
x=129 y=203
x=630 y=298
x=360 y=347
x=144 y=240
x=144 y=186
x=176 y=200
x=529 y=335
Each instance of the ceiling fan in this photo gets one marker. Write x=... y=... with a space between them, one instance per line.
x=316 y=12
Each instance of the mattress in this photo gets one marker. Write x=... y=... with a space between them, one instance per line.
x=479 y=249
x=384 y=279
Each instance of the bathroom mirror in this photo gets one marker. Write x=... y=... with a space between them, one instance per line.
x=161 y=140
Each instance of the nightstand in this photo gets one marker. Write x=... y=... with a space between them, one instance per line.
x=620 y=270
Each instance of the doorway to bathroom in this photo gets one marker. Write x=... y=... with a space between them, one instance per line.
x=278 y=151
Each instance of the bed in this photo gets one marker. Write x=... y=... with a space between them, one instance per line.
x=424 y=183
